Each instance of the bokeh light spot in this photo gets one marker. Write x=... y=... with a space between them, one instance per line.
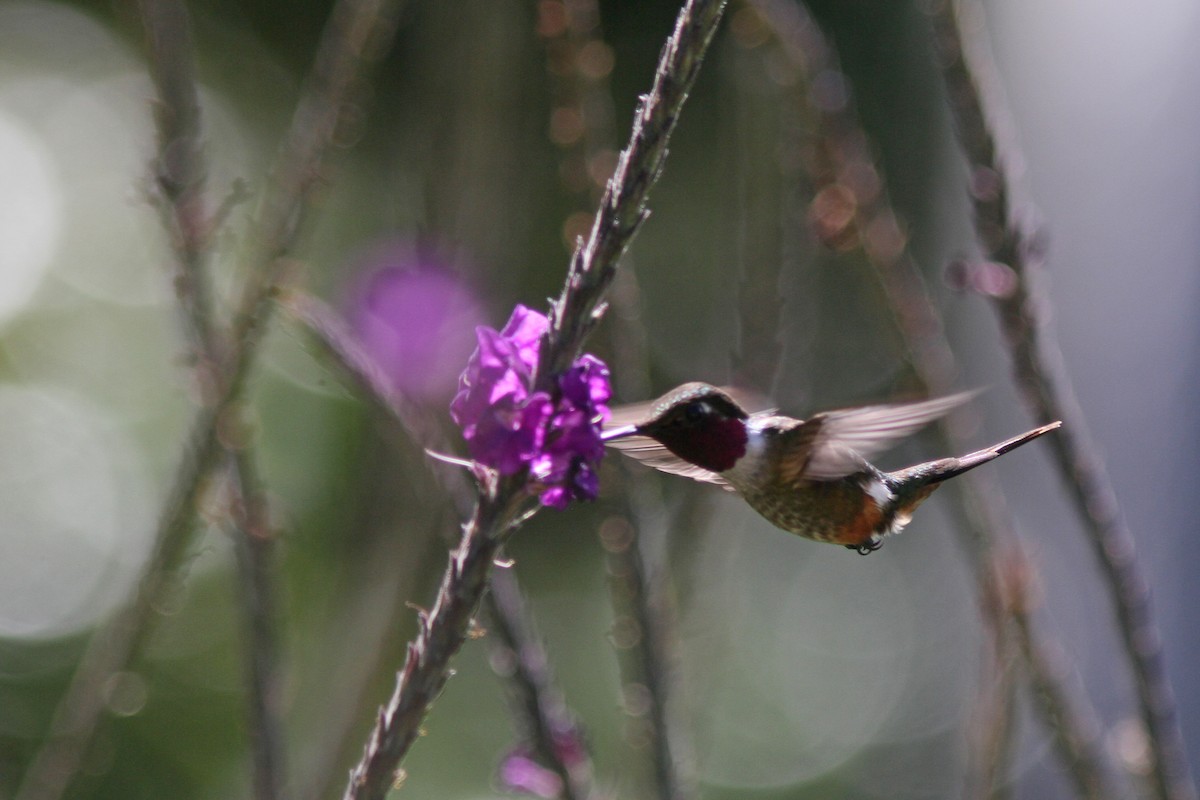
x=815 y=654
x=125 y=693
x=30 y=214
x=74 y=513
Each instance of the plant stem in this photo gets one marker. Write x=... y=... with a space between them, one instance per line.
x=442 y=633
x=644 y=615
x=844 y=151
x=551 y=729
x=623 y=205
x=548 y=721
x=969 y=74
x=577 y=310
x=994 y=733
x=255 y=545
x=573 y=47
x=1048 y=670
x=180 y=172
x=354 y=26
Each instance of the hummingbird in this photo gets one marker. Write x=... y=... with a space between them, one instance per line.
x=809 y=477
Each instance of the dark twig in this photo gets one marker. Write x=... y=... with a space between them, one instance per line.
x=1067 y=714
x=992 y=733
x=623 y=206
x=766 y=211
x=643 y=600
x=386 y=561
x=254 y=542
x=180 y=172
x=1048 y=671
x=551 y=728
x=355 y=28
x=443 y=629
x=334 y=336
x=503 y=502
x=1039 y=373
x=845 y=158
x=581 y=63
x=644 y=626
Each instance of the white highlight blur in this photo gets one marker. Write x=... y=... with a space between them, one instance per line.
x=75 y=516
x=80 y=179
x=800 y=651
x=64 y=185
x=30 y=214
x=87 y=319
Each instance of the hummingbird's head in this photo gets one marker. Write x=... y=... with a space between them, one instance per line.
x=701 y=424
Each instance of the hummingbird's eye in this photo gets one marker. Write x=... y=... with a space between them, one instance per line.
x=695 y=412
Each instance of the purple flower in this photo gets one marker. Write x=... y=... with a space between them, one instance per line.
x=414 y=319
x=503 y=420
x=508 y=426
x=524 y=330
x=586 y=384
x=520 y=773
x=510 y=433
x=573 y=447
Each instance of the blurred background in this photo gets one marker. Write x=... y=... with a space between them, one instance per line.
x=456 y=191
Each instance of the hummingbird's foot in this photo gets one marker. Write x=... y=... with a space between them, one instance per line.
x=867 y=547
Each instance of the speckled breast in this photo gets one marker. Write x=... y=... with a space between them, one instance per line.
x=839 y=511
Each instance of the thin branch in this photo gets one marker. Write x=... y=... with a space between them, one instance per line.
x=550 y=726
x=992 y=734
x=336 y=340
x=355 y=27
x=645 y=597
x=1019 y=593
x=767 y=192
x=845 y=155
x=372 y=588
x=623 y=206
x=552 y=731
x=180 y=172
x=581 y=64
x=644 y=625
x=255 y=545
x=1014 y=590
x=442 y=632
x=1043 y=381
x=502 y=503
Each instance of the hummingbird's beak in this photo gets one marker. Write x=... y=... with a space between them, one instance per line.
x=617 y=433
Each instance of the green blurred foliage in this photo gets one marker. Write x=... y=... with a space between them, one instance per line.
x=453 y=153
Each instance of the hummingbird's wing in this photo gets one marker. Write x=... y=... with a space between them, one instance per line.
x=652 y=454
x=835 y=444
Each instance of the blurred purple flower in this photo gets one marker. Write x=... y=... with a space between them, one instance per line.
x=415 y=319
x=508 y=426
x=520 y=773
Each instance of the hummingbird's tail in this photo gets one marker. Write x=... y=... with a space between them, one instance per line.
x=934 y=472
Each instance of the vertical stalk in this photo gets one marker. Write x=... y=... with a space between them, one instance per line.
x=1043 y=382
x=502 y=503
